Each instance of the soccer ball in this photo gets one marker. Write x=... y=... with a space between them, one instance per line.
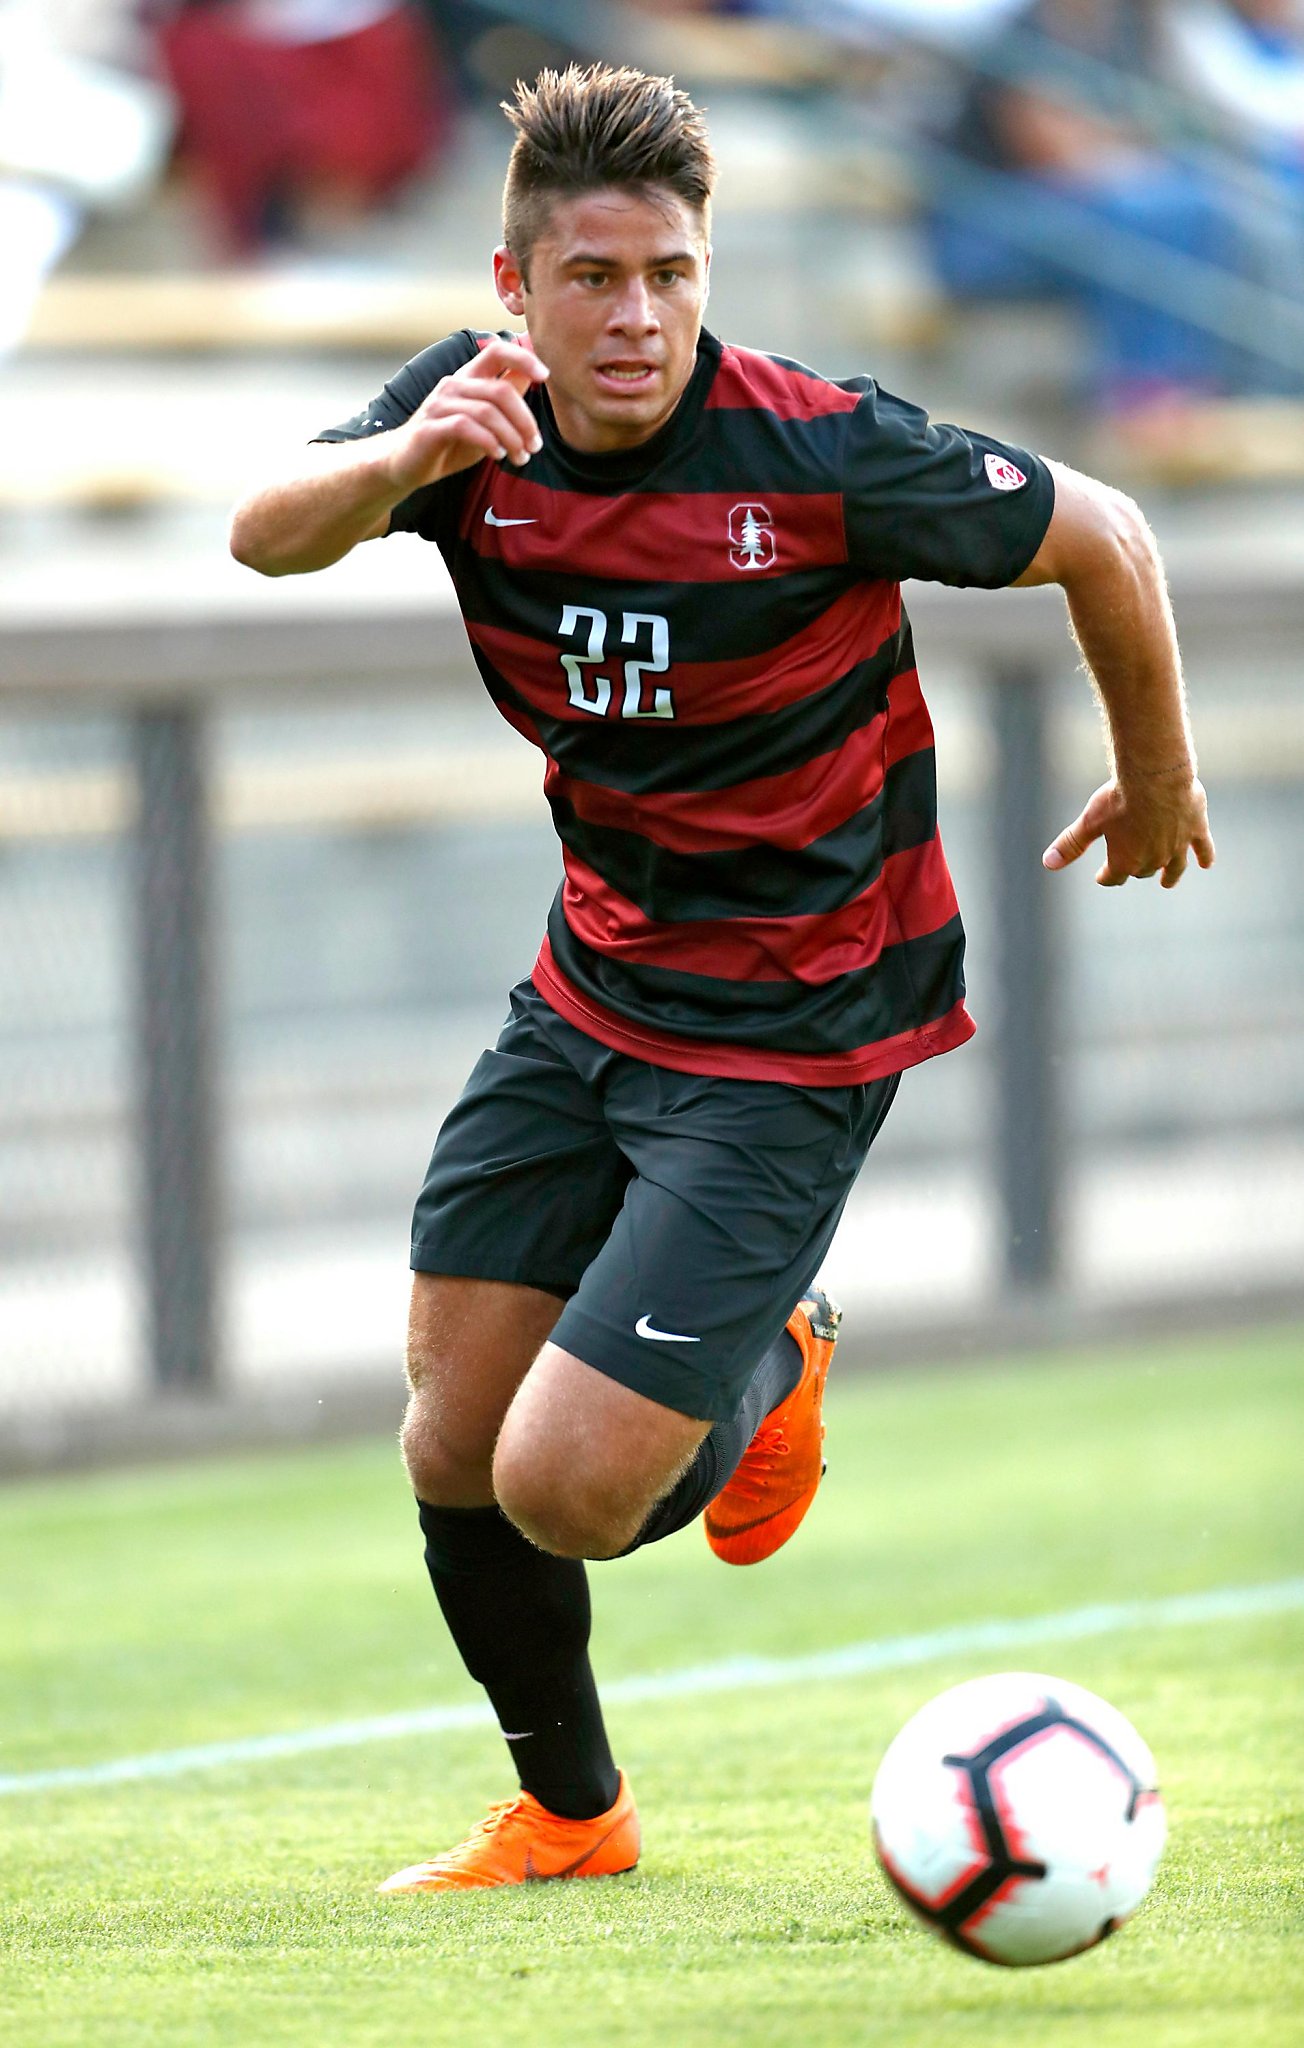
x=1018 y=1817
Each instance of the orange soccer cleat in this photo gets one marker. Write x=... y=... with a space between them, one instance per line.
x=783 y=1464
x=520 y=1842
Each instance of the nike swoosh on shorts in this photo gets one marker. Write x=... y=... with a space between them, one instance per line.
x=643 y=1328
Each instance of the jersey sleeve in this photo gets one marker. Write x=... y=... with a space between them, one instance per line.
x=428 y=510
x=938 y=502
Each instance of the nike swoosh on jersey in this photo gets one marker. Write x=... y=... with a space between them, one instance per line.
x=491 y=519
x=643 y=1328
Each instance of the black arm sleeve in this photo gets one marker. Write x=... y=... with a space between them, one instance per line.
x=938 y=502
x=431 y=510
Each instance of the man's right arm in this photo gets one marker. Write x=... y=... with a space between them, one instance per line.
x=345 y=493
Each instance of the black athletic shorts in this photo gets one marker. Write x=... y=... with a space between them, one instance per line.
x=680 y=1216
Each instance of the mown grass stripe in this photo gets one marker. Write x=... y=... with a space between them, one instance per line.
x=733 y=1674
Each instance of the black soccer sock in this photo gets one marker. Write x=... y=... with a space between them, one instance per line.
x=520 y=1620
x=720 y=1452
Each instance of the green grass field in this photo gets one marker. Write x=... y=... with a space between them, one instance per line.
x=143 y=1612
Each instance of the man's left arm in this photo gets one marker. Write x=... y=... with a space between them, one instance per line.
x=1152 y=813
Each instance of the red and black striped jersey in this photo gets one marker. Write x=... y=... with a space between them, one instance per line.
x=705 y=638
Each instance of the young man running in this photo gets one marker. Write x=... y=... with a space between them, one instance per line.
x=679 y=564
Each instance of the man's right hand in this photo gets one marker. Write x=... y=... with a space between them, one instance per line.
x=479 y=411
x=347 y=495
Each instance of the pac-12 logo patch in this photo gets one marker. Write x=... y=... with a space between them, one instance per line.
x=752 y=544
x=1004 y=475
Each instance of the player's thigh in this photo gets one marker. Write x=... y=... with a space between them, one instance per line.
x=525 y=1178
x=582 y=1459
x=470 y=1345
x=519 y=1196
x=716 y=1240
x=739 y=1189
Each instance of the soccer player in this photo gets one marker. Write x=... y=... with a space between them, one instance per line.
x=679 y=564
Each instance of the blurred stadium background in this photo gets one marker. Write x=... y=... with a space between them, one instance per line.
x=268 y=860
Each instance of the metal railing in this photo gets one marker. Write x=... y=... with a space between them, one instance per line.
x=166 y=678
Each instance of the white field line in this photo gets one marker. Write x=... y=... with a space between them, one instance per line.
x=733 y=1674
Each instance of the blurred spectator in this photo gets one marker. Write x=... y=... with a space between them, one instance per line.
x=1054 y=112
x=925 y=21
x=299 y=115
x=1243 y=60
x=80 y=132
x=1240 y=64
x=488 y=44
x=104 y=31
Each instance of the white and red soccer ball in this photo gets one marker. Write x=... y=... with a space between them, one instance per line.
x=1018 y=1816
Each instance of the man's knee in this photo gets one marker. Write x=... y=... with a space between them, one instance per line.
x=443 y=1471
x=470 y=1343
x=581 y=1459
x=558 y=1509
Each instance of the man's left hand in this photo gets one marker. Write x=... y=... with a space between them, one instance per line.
x=1150 y=827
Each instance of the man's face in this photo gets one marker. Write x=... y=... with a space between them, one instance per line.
x=617 y=284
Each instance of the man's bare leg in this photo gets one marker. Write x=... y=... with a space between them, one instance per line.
x=470 y=1344
x=524 y=1465
x=519 y=1616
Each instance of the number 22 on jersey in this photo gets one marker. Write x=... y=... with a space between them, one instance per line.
x=585 y=626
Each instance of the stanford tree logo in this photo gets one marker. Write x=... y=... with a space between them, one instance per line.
x=751 y=537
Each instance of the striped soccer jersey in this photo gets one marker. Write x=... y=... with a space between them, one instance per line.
x=704 y=636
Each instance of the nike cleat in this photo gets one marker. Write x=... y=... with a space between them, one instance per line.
x=520 y=1842
x=783 y=1464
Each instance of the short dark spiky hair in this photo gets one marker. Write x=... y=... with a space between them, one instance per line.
x=578 y=130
